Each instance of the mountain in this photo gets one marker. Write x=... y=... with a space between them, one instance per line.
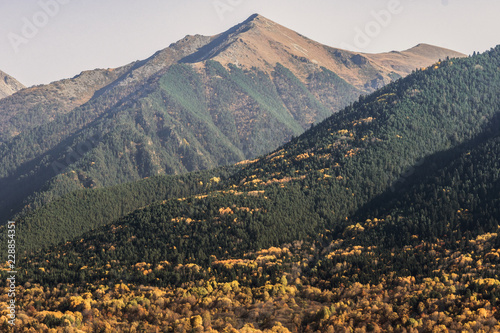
x=383 y=217
x=44 y=103
x=335 y=170
x=200 y=103
x=261 y=43
x=8 y=85
x=39 y=105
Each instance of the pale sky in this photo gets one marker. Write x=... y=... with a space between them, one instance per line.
x=47 y=40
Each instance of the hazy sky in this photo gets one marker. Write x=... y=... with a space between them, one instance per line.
x=47 y=40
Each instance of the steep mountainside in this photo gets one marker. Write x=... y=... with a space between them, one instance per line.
x=39 y=105
x=198 y=104
x=330 y=175
x=42 y=104
x=8 y=85
x=384 y=217
x=451 y=194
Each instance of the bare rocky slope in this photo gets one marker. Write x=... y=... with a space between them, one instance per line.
x=261 y=43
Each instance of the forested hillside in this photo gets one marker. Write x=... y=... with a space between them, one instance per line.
x=202 y=102
x=322 y=179
x=384 y=217
x=78 y=212
x=173 y=127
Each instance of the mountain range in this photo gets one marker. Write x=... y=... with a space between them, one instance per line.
x=200 y=103
x=390 y=131
x=382 y=217
x=255 y=181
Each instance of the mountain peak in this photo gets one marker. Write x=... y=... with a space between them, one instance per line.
x=261 y=43
x=426 y=50
x=254 y=18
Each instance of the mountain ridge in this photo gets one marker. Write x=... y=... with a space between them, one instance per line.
x=383 y=217
x=230 y=47
x=245 y=44
x=317 y=182
x=391 y=130
x=164 y=115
